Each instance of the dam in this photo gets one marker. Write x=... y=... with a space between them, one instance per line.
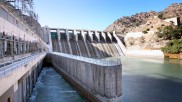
x=88 y=43
x=45 y=64
x=81 y=57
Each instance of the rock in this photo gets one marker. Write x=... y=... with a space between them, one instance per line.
x=145 y=20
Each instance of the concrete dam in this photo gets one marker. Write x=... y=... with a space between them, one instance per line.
x=86 y=43
x=82 y=57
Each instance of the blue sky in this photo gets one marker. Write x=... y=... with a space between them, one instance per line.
x=92 y=14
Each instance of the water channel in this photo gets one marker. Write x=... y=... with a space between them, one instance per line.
x=143 y=80
x=51 y=87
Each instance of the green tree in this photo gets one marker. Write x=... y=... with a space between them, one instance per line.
x=174 y=46
x=174 y=34
x=169 y=32
x=160 y=16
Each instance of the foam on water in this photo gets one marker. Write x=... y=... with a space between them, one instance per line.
x=39 y=84
x=51 y=87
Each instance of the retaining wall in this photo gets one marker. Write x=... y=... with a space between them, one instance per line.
x=96 y=80
x=173 y=56
x=17 y=81
x=146 y=53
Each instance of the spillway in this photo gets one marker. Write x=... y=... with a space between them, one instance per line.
x=87 y=48
x=86 y=44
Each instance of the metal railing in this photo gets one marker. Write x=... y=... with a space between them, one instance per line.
x=92 y=56
x=12 y=61
x=105 y=61
x=8 y=67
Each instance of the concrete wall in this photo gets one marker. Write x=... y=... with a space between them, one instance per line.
x=173 y=56
x=146 y=53
x=17 y=27
x=175 y=20
x=11 y=25
x=85 y=42
x=21 y=90
x=122 y=46
x=96 y=80
x=17 y=85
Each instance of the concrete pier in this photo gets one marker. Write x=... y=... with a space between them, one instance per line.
x=96 y=80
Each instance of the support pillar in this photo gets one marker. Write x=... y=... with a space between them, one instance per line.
x=104 y=36
x=58 y=33
x=5 y=44
x=67 y=35
x=24 y=46
x=47 y=31
x=109 y=35
x=1 y=42
x=97 y=35
x=76 y=35
x=120 y=43
x=91 y=36
x=83 y=35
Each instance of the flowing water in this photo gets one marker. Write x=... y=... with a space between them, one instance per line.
x=87 y=48
x=143 y=80
x=51 y=87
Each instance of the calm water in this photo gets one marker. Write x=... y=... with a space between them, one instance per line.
x=51 y=87
x=143 y=80
x=151 y=80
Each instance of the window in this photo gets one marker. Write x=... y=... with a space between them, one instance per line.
x=3 y=13
x=17 y=22
x=9 y=99
x=10 y=18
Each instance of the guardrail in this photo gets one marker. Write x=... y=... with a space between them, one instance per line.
x=110 y=61
x=12 y=61
x=106 y=59
x=10 y=66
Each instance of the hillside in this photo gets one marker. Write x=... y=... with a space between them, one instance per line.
x=172 y=11
x=141 y=21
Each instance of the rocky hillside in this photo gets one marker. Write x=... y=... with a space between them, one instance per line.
x=172 y=11
x=145 y=20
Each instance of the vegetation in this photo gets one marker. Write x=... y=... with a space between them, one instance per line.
x=162 y=25
x=160 y=16
x=174 y=46
x=142 y=39
x=169 y=32
x=117 y=32
x=131 y=41
x=146 y=31
x=174 y=34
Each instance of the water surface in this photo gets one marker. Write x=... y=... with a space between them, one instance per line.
x=143 y=80
x=151 y=80
x=51 y=87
